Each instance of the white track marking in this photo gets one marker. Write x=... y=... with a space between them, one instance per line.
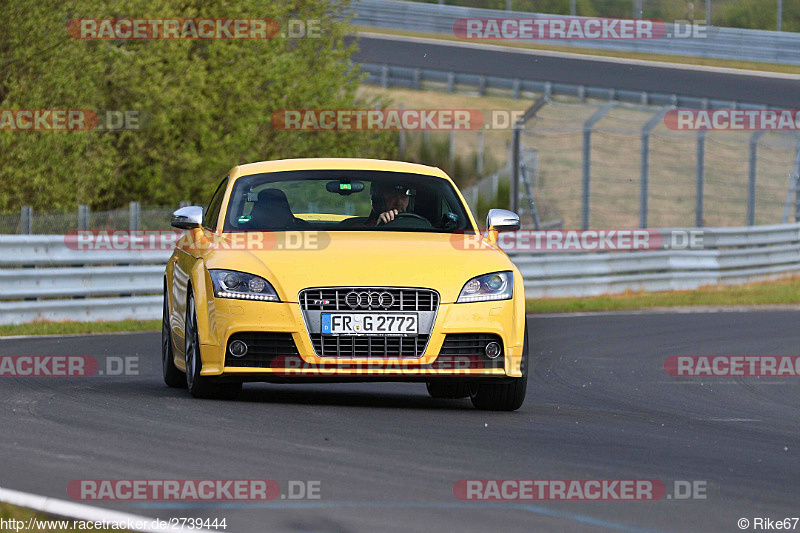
x=78 y=511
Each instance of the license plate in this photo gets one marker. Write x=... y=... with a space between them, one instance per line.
x=369 y=324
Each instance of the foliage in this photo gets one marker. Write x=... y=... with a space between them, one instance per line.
x=206 y=104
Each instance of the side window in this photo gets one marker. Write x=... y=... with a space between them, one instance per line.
x=212 y=213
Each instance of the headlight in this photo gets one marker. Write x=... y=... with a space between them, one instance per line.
x=495 y=286
x=242 y=286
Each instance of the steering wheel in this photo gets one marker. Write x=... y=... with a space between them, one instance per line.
x=411 y=220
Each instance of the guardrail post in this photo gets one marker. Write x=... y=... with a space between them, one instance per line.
x=515 y=87
x=134 y=216
x=587 y=161
x=751 y=180
x=582 y=93
x=83 y=217
x=26 y=220
x=645 y=165
x=385 y=76
x=451 y=82
x=417 y=76
x=548 y=90
x=482 y=85
x=700 y=172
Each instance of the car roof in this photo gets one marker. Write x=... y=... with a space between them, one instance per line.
x=336 y=163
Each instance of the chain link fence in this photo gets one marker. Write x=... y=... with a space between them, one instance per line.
x=689 y=178
x=134 y=217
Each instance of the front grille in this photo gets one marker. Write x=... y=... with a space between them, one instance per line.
x=469 y=344
x=368 y=345
x=368 y=299
x=262 y=348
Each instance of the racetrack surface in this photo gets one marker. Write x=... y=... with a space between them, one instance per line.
x=509 y=62
x=600 y=406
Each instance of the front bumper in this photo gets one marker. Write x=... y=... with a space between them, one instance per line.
x=227 y=317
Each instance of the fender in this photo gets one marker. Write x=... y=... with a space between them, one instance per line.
x=204 y=300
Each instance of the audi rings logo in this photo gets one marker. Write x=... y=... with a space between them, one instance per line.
x=368 y=300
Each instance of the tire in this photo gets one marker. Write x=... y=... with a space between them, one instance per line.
x=448 y=390
x=202 y=386
x=507 y=396
x=173 y=376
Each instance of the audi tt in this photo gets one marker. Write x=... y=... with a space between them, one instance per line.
x=321 y=270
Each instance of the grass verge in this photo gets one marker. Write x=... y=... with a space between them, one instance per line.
x=685 y=60
x=76 y=328
x=42 y=523
x=783 y=292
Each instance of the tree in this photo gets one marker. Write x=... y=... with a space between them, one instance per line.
x=205 y=105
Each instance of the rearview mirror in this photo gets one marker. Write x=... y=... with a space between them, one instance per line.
x=344 y=187
x=187 y=217
x=502 y=220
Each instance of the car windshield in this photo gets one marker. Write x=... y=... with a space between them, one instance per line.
x=345 y=200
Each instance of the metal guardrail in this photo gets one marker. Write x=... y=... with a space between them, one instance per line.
x=415 y=78
x=40 y=279
x=720 y=43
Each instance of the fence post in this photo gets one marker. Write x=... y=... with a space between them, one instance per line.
x=700 y=172
x=26 y=220
x=452 y=151
x=587 y=161
x=645 y=166
x=480 y=153
x=516 y=140
x=83 y=217
x=797 y=182
x=401 y=138
x=751 y=180
x=134 y=216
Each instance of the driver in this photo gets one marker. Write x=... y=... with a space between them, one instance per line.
x=388 y=200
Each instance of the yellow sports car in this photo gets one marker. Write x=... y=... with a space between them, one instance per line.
x=321 y=270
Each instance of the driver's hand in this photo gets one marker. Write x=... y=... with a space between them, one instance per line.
x=387 y=216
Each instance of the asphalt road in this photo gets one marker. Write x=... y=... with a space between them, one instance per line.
x=600 y=406
x=529 y=65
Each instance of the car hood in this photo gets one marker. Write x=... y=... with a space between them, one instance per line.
x=442 y=262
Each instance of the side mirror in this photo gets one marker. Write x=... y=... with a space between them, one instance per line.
x=188 y=217
x=502 y=220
